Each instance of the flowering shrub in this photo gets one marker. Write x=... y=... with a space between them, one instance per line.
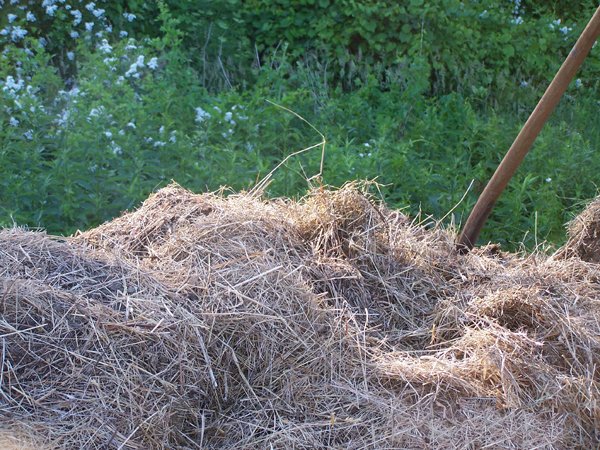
x=96 y=112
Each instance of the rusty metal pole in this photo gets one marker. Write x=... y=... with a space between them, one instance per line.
x=527 y=135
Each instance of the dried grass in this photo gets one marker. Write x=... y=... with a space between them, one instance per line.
x=18 y=440
x=584 y=235
x=204 y=321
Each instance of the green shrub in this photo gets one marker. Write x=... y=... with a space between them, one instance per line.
x=87 y=135
x=469 y=47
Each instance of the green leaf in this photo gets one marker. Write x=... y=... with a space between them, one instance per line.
x=508 y=50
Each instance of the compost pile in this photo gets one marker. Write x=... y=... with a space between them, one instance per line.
x=212 y=321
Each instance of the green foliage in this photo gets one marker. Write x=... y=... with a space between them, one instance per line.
x=468 y=46
x=425 y=97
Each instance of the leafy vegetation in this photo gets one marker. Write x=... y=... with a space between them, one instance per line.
x=102 y=103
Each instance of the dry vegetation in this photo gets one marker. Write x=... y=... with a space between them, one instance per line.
x=204 y=321
x=584 y=235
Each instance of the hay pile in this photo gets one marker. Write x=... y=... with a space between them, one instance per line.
x=200 y=321
x=584 y=235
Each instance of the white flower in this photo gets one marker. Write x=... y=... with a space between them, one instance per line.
x=366 y=144
x=121 y=132
x=11 y=18
x=524 y=83
x=50 y=10
x=228 y=116
x=4 y=31
x=564 y=30
x=129 y=17
x=96 y=112
x=161 y=130
x=554 y=24
x=17 y=33
x=70 y=56
x=578 y=83
x=77 y=15
x=362 y=155
x=548 y=180
x=216 y=108
x=123 y=34
x=90 y=6
x=11 y=85
x=201 y=115
x=153 y=63
x=132 y=72
x=159 y=144
x=108 y=134
x=517 y=20
x=172 y=137
x=483 y=14
x=98 y=12
x=105 y=47
x=131 y=125
x=28 y=135
x=140 y=61
x=130 y=45
x=30 y=17
x=116 y=149
x=89 y=26
x=108 y=28
x=14 y=122
x=74 y=34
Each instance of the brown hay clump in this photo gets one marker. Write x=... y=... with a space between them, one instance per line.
x=18 y=439
x=204 y=321
x=584 y=235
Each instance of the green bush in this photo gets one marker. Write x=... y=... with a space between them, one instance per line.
x=468 y=46
x=84 y=136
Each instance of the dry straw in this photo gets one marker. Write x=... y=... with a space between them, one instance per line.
x=204 y=321
x=584 y=235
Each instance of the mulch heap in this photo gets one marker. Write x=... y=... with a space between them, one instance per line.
x=205 y=321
